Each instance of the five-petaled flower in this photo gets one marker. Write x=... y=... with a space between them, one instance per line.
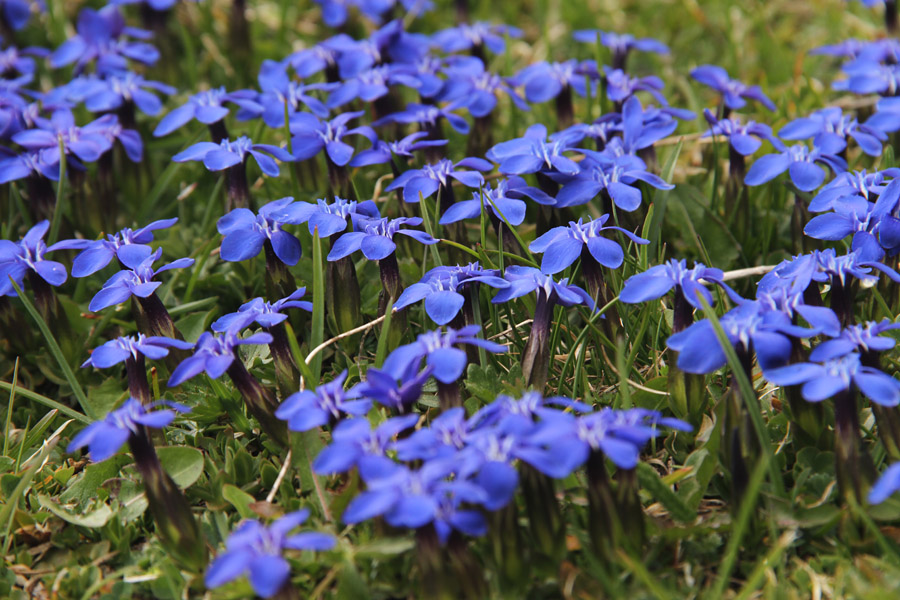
x=17 y=258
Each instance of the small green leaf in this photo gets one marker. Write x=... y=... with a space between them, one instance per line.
x=184 y=465
x=92 y=519
x=239 y=499
x=650 y=480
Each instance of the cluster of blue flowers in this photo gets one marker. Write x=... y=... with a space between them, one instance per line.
x=444 y=470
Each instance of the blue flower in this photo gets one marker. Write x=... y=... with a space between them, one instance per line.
x=620 y=43
x=227 y=153
x=245 y=233
x=280 y=94
x=266 y=314
x=532 y=153
x=561 y=246
x=208 y=107
x=355 y=443
x=129 y=245
x=657 y=281
x=122 y=348
x=620 y=86
x=17 y=258
x=17 y=13
x=428 y=115
x=618 y=177
x=867 y=77
x=427 y=180
x=472 y=35
x=830 y=128
x=102 y=36
x=634 y=129
x=256 y=550
x=213 y=354
x=440 y=288
x=328 y=403
x=135 y=280
x=311 y=136
x=800 y=162
x=524 y=280
x=104 y=438
x=887 y=484
x=15 y=60
x=445 y=435
x=750 y=326
x=87 y=143
x=371 y=84
x=543 y=81
x=734 y=93
x=375 y=238
x=125 y=87
x=330 y=219
x=821 y=381
x=856 y=184
x=397 y=392
x=864 y=338
x=381 y=152
x=471 y=84
x=441 y=352
x=745 y=138
x=504 y=201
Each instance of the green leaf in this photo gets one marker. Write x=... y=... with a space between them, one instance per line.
x=84 y=487
x=384 y=547
x=305 y=446
x=317 y=334
x=93 y=519
x=184 y=465
x=239 y=499
x=650 y=480
x=104 y=397
x=192 y=325
x=660 y=198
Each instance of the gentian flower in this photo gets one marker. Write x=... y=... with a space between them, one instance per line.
x=478 y=88
x=561 y=246
x=830 y=127
x=467 y=36
x=865 y=339
x=620 y=86
x=744 y=138
x=374 y=238
x=354 y=443
x=428 y=116
x=213 y=354
x=734 y=93
x=104 y=438
x=17 y=13
x=102 y=36
x=331 y=219
x=208 y=107
x=440 y=351
x=371 y=84
x=135 y=280
x=856 y=184
x=532 y=153
x=821 y=381
x=657 y=281
x=17 y=258
x=256 y=551
x=427 y=180
x=800 y=162
x=278 y=92
x=543 y=81
x=750 y=326
x=311 y=136
x=618 y=177
x=246 y=233
x=328 y=403
x=396 y=392
x=866 y=77
x=122 y=348
x=382 y=152
x=441 y=286
x=129 y=245
x=87 y=143
x=620 y=44
x=266 y=314
x=122 y=88
x=227 y=153
x=887 y=484
x=503 y=201
x=19 y=61
x=43 y=163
